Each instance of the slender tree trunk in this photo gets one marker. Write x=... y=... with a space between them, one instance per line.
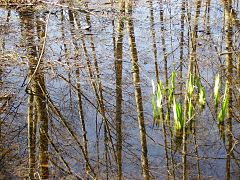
x=167 y=117
x=163 y=39
x=228 y=9
x=182 y=43
x=194 y=36
x=43 y=125
x=41 y=107
x=154 y=44
x=32 y=111
x=238 y=77
x=138 y=93
x=31 y=137
x=113 y=29
x=229 y=83
x=207 y=5
x=233 y=14
x=196 y=150
x=189 y=19
x=118 y=69
x=37 y=88
x=192 y=62
x=97 y=142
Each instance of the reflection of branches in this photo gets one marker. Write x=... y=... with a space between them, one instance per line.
x=85 y=11
x=61 y=157
x=63 y=170
x=42 y=51
x=71 y=132
x=43 y=46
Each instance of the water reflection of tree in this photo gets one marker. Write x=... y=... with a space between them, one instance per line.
x=37 y=107
x=137 y=92
x=106 y=153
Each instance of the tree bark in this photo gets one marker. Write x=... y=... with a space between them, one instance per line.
x=138 y=93
x=191 y=65
x=31 y=137
x=229 y=82
x=154 y=45
x=37 y=93
x=118 y=68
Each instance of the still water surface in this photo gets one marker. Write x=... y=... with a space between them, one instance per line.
x=61 y=59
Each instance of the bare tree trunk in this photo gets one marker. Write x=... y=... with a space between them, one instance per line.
x=182 y=43
x=31 y=137
x=97 y=142
x=43 y=125
x=118 y=69
x=238 y=77
x=32 y=111
x=113 y=29
x=154 y=45
x=167 y=117
x=229 y=82
x=192 y=62
x=228 y=10
x=39 y=90
x=194 y=36
x=189 y=19
x=163 y=43
x=233 y=14
x=37 y=97
x=206 y=18
x=138 y=94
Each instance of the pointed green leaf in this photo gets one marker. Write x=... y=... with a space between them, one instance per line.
x=216 y=90
x=202 y=97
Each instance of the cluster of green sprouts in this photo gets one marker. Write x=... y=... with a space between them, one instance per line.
x=157 y=103
x=195 y=94
x=180 y=118
x=223 y=110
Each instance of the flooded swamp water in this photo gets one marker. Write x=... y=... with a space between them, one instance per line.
x=87 y=64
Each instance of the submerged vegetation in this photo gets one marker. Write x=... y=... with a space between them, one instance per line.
x=120 y=89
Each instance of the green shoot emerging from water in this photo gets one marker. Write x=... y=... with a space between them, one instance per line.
x=223 y=110
x=178 y=116
x=202 y=97
x=190 y=86
x=201 y=93
x=216 y=91
x=157 y=103
x=172 y=87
